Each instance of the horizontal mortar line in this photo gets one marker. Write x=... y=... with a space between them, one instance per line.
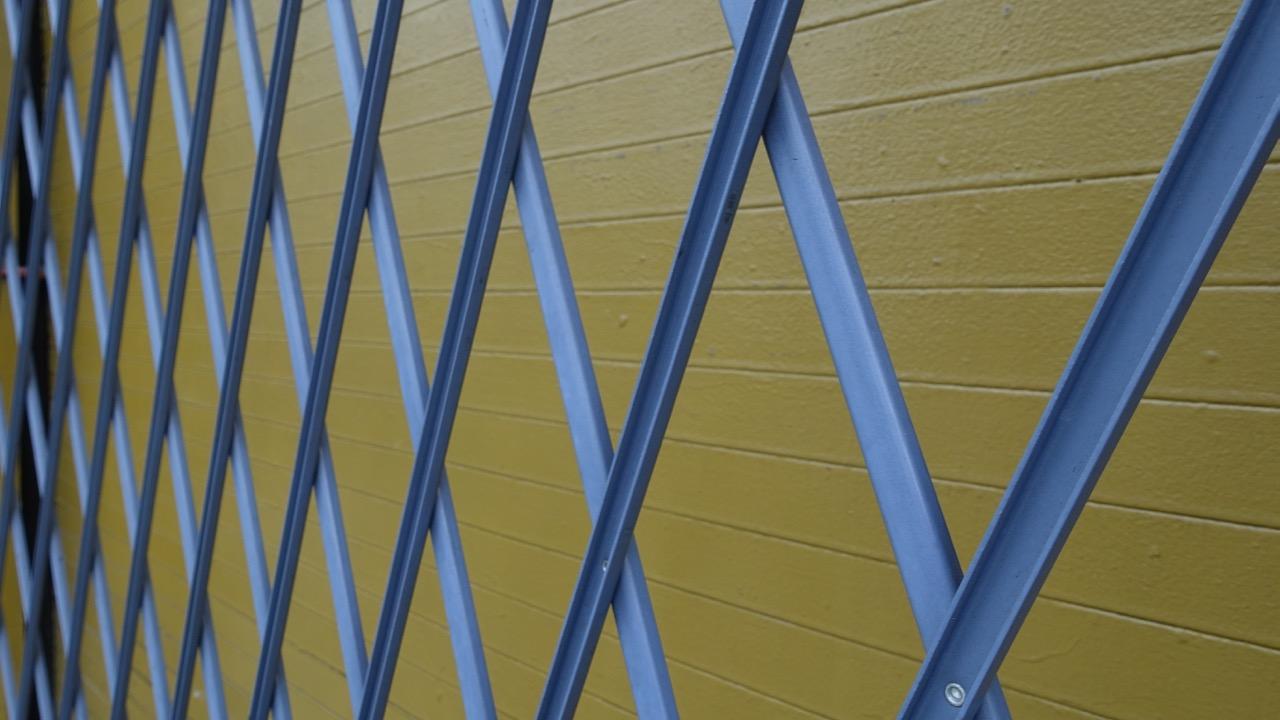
x=705 y=597
x=174 y=639
x=1135 y=60
x=972 y=187
x=1270 y=650
x=406 y=69
x=752 y=452
x=849 y=198
x=845 y=550
x=438 y=623
x=721 y=524
x=531 y=291
x=1063 y=704
x=837 y=108
x=731 y=286
x=322 y=572
x=905 y=379
x=716 y=523
x=1163 y=625
x=358 y=393
x=191 y=61
x=742 y=687
x=639 y=68
x=1065 y=602
x=1147 y=397
x=552 y=157
x=237 y=82
x=396 y=72
x=1181 y=516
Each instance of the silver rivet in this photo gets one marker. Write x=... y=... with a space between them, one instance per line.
x=955 y=694
x=605 y=566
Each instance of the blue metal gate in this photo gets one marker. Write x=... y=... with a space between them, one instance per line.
x=966 y=622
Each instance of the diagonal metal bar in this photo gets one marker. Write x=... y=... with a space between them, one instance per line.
x=40 y=232
x=732 y=146
x=18 y=80
x=74 y=420
x=25 y=324
x=900 y=478
x=334 y=538
x=354 y=199
x=22 y=30
x=1228 y=135
x=266 y=173
x=107 y=398
x=211 y=286
x=162 y=403
x=502 y=144
x=637 y=628
x=153 y=310
x=455 y=586
x=26 y=399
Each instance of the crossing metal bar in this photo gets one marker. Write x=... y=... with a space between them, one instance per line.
x=40 y=230
x=17 y=89
x=734 y=138
x=333 y=529
x=406 y=343
x=266 y=172
x=110 y=381
x=211 y=286
x=1228 y=135
x=354 y=200
x=966 y=625
x=506 y=127
x=26 y=396
x=899 y=475
x=593 y=447
x=177 y=452
x=62 y=600
x=162 y=402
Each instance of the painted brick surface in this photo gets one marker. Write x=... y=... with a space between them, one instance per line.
x=990 y=158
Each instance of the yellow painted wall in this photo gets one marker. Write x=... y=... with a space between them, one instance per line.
x=990 y=156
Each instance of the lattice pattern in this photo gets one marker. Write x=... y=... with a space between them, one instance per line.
x=966 y=624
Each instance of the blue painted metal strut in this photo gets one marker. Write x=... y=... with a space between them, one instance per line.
x=215 y=319
x=266 y=173
x=25 y=328
x=904 y=490
x=35 y=269
x=18 y=80
x=354 y=201
x=633 y=610
x=1227 y=138
x=56 y=306
x=732 y=146
x=162 y=402
x=406 y=344
x=153 y=307
x=333 y=533
x=31 y=288
x=110 y=381
x=506 y=126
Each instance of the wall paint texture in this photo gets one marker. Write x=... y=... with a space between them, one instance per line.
x=990 y=157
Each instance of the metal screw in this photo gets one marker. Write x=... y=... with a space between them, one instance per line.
x=605 y=566
x=955 y=694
